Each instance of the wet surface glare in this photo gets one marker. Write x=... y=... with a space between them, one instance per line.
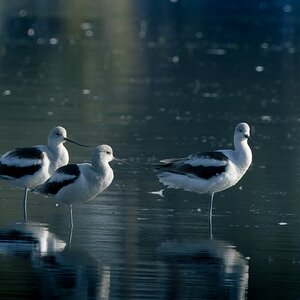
x=154 y=79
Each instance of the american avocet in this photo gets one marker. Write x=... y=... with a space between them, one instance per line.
x=31 y=166
x=209 y=172
x=75 y=183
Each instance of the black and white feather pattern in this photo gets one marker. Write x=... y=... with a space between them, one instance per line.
x=209 y=172
x=204 y=165
x=20 y=162
x=61 y=178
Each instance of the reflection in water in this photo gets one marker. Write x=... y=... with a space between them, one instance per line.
x=36 y=264
x=150 y=78
x=207 y=269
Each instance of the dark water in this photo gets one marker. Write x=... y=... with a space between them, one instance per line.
x=154 y=79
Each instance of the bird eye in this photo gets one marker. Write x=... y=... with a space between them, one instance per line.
x=107 y=152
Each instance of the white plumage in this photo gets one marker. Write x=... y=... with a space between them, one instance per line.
x=31 y=166
x=209 y=172
x=81 y=182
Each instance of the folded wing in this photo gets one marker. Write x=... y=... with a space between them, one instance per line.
x=61 y=178
x=204 y=165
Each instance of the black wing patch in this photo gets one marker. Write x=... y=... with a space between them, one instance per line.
x=205 y=172
x=70 y=169
x=217 y=155
x=53 y=187
x=27 y=153
x=18 y=172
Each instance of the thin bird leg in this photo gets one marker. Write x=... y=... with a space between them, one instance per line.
x=210 y=228
x=25 y=205
x=210 y=216
x=211 y=205
x=70 y=237
x=71 y=215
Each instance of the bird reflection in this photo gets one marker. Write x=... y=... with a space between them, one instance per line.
x=50 y=267
x=204 y=269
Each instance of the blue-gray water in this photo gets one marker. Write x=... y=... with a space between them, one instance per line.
x=154 y=79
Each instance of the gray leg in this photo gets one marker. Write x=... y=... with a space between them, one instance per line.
x=71 y=215
x=211 y=204
x=70 y=237
x=210 y=209
x=210 y=228
x=25 y=205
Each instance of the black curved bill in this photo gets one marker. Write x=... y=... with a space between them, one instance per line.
x=128 y=164
x=249 y=138
x=71 y=141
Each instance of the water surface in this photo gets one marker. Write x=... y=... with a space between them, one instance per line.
x=154 y=79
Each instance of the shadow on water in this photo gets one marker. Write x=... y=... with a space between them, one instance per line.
x=35 y=264
x=205 y=269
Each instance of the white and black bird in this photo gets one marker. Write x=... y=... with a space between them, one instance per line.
x=75 y=183
x=29 y=167
x=209 y=172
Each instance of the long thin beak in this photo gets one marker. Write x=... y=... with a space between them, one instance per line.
x=249 y=138
x=66 y=139
x=129 y=164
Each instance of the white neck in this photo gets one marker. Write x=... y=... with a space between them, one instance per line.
x=102 y=171
x=243 y=154
x=100 y=165
x=60 y=156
